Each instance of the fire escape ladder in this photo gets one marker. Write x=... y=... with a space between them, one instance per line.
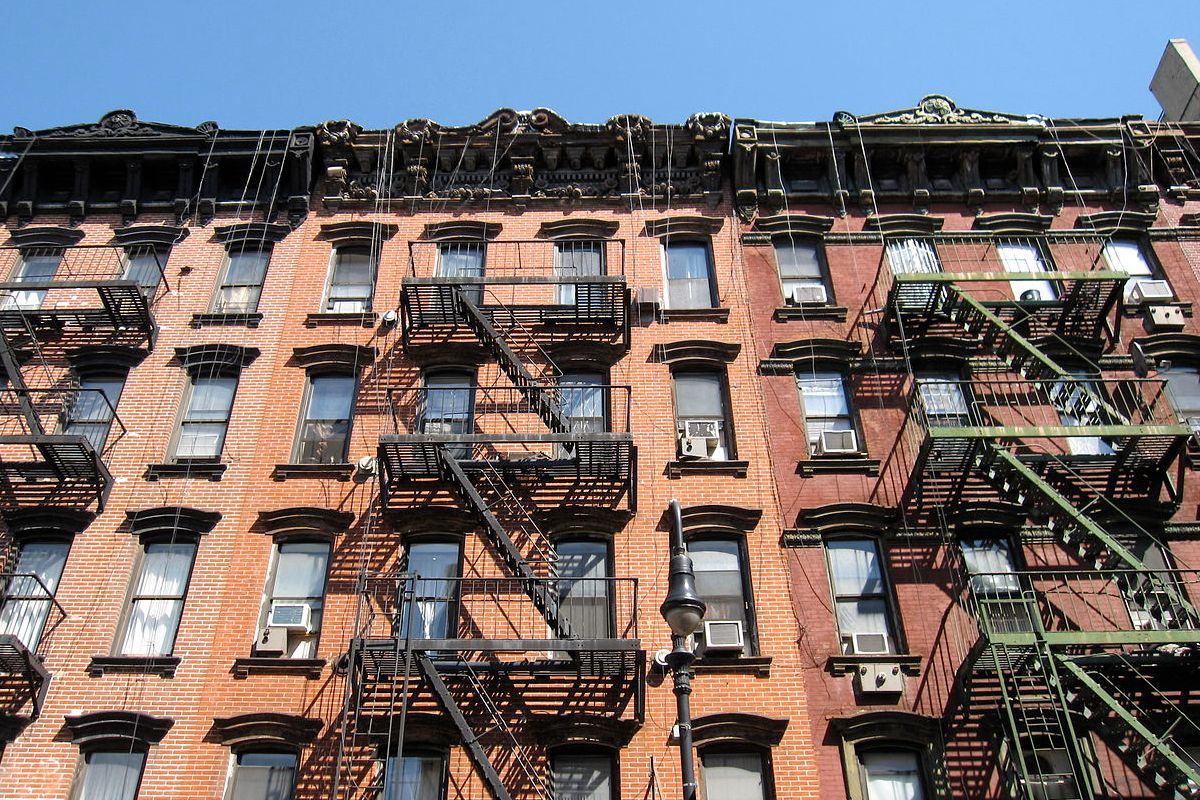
x=469 y=738
x=538 y=590
x=1122 y=727
x=1078 y=532
x=542 y=401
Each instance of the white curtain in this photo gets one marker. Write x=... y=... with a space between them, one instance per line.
x=158 y=599
x=1025 y=257
x=912 y=255
x=689 y=275
x=264 y=776
x=1126 y=256
x=413 y=778
x=893 y=776
x=578 y=259
x=112 y=776
x=733 y=776
x=855 y=566
x=26 y=605
x=991 y=565
x=37 y=268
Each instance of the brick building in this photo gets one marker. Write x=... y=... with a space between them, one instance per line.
x=336 y=462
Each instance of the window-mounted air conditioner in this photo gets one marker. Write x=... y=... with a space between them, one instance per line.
x=723 y=636
x=837 y=442
x=291 y=616
x=808 y=295
x=702 y=429
x=1151 y=292
x=865 y=644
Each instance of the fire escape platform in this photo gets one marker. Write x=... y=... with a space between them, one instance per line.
x=594 y=658
x=592 y=455
x=67 y=459
x=16 y=659
x=600 y=302
x=122 y=306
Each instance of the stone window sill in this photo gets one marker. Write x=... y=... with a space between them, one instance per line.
x=737 y=469
x=851 y=465
x=212 y=470
x=163 y=666
x=365 y=320
x=246 y=320
x=847 y=665
x=339 y=472
x=814 y=312
x=759 y=666
x=668 y=315
x=309 y=668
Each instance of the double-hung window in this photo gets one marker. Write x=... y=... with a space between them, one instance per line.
x=1023 y=256
x=581 y=775
x=996 y=587
x=36 y=265
x=447 y=407
x=93 y=408
x=1126 y=255
x=578 y=258
x=802 y=271
x=296 y=599
x=860 y=596
x=325 y=426
x=701 y=418
x=913 y=256
x=892 y=775
x=1078 y=404
x=463 y=260
x=828 y=419
x=690 y=279
x=722 y=579
x=351 y=281
x=29 y=595
x=581 y=397
x=435 y=567
x=943 y=400
x=206 y=416
x=145 y=266
x=156 y=600
x=242 y=281
x=735 y=775
x=414 y=776
x=1183 y=386
x=263 y=775
x=583 y=587
x=110 y=775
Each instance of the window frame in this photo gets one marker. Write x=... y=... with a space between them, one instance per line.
x=766 y=763
x=373 y=256
x=898 y=643
x=66 y=420
x=131 y=595
x=161 y=256
x=418 y=752
x=924 y=775
x=1044 y=254
x=593 y=537
x=252 y=748
x=847 y=398
x=264 y=248
x=305 y=408
x=20 y=545
x=665 y=245
x=1149 y=257
x=184 y=407
x=269 y=594
x=750 y=634
x=588 y=751
x=727 y=426
x=16 y=275
x=825 y=277
x=574 y=244
x=82 y=766
x=454 y=603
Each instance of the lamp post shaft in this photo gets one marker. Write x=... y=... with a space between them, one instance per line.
x=682 y=671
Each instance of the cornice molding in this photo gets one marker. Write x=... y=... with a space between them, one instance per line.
x=170 y=520
x=346 y=358
x=358 y=233
x=45 y=236
x=899 y=224
x=838 y=354
x=585 y=729
x=578 y=228
x=266 y=728
x=1179 y=348
x=1110 y=222
x=124 y=729
x=25 y=523
x=837 y=518
x=105 y=358
x=716 y=517
x=205 y=359
x=304 y=521
x=157 y=236
x=894 y=726
x=696 y=350
x=250 y=234
x=731 y=727
x=692 y=225
x=1014 y=222
x=461 y=229
x=794 y=224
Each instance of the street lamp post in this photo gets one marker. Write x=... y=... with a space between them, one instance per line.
x=683 y=609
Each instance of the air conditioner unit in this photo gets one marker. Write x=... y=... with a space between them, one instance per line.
x=647 y=296
x=808 y=295
x=291 y=616
x=1150 y=292
x=837 y=442
x=702 y=429
x=723 y=636
x=272 y=641
x=865 y=644
x=692 y=447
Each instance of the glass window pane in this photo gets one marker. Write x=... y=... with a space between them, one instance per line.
x=461 y=260
x=699 y=395
x=689 y=275
x=145 y=267
x=912 y=256
x=158 y=599
x=300 y=570
x=990 y=563
x=583 y=588
x=331 y=397
x=111 y=775
x=90 y=405
x=413 y=778
x=854 y=564
x=1183 y=384
x=733 y=776
x=1026 y=257
x=824 y=395
x=247 y=268
x=892 y=776
x=38 y=268
x=718 y=567
x=435 y=596
x=26 y=604
x=211 y=399
x=582 y=398
x=798 y=259
x=580 y=777
x=264 y=776
x=200 y=440
x=861 y=616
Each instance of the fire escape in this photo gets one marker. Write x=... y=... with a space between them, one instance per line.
x=500 y=656
x=1106 y=651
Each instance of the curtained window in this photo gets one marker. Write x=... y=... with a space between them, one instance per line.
x=325 y=426
x=892 y=775
x=700 y=412
x=299 y=580
x=93 y=408
x=860 y=595
x=26 y=602
x=690 y=279
x=111 y=775
x=734 y=776
x=156 y=603
x=242 y=281
x=263 y=776
x=206 y=417
x=1126 y=255
x=722 y=579
x=800 y=267
x=145 y=266
x=583 y=587
x=826 y=407
x=435 y=566
x=1024 y=256
x=414 y=777
x=463 y=260
x=578 y=259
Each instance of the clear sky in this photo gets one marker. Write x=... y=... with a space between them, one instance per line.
x=256 y=64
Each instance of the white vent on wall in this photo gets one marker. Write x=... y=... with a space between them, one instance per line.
x=691 y=447
x=272 y=641
x=809 y=295
x=723 y=635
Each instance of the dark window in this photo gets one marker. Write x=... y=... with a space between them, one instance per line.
x=145 y=266
x=1183 y=386
x=415 y=776
x=828 y=418
x=723 y=580
x=735 y=775
x=206 y=417
x=583 y=587
x=263 y=776
x=892 y=775
x=93 y=408
x=36 y=265
x=701 y=419
x=1151 y=607
x=296 y=599
x=351 y=281
x=28 y=597
x=435 y=566
x=325 y=427
x=242 y=281
x=111 y=775
x=802 y=271
x=579 y=775
x=448 y=407
x=861 y=596
x=463 y=260
x=690 y=279
x=577 y=259
x=156 y=600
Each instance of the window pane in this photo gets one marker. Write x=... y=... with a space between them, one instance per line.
x=583 y=568
x=862 y=616
x=264 y=776
x=990 y=561
x=200 y=440
x=579 y=777
x=689 y=275
x=824 y=395
x=90 y=405
x=1183 y=384
x=247 y=268
x=158 y=599
x=145 y=267
x=435 y=597
x=912 y=256
x=211 y=399
x=331 y=397
x=300 y=570
x=893 y=776
x=352 y=282
x=111 y=776
x=698 y=395
x=798 y=259
x=461 y=260
x=26 y=604
x=718 y=567
x=855 y=567
x=413 y=778
x=582 y=399
x=38 y=268
x=1026 y=257
x=733 y=776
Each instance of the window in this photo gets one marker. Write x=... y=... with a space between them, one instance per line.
x=93 y=408
x=1074 y=400
x=416 y=776
x=734 y=776
x=892 y=775
x=463 y=260
x=860 y=596
x=577 y=259
x=156 y=601
x=581 y=396
x=581 y=775
x=25 y=603
x=242 y=281
x=325 y=427
x=35 y=266
x=827 y=417
x=944 y=401
x=351 y=281
x=1126 y=255
x=723 y=580
x=1183 y=386
x=1024 y=256
x=701 y=421
x=1150 y=605
x=206 y=417
x=448 y=407
x=802 y=271
x=145 y=266
x=996 y=586
x=434 y=614
x=583 y=587
x=690 y=280
x=263 y=776
x=111 y=775
x=1047 y=761
x=296 y=596
x=914 y=256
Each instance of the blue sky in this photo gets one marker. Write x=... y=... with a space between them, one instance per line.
x=281 y=64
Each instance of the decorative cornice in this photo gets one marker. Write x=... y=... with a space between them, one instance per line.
x=838 y=354
x=45 y=520
x=334 y=357
x=868 y=518
x=895 y=726
x=45 y=236
x=697 y=519
x=459 y=229
x=171 y=520
x=304 y=520
x=123 y=729
x=735 y=726
x=434 y=519
x=266 y=728
x=984 y=516
x=358 y=233
x=578 y=228
x=250 y=234
x=1014 y=222
x=1181 y=348
x=214 y=358
x=105 y=358
x=585 y=729
x=898 y=224
x=937 y=109
x=692 y=225
x=121 y=123
x=581 y=519
x=1129 y=222
x=697 y=350
x=794 y=224
x=158 y=236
